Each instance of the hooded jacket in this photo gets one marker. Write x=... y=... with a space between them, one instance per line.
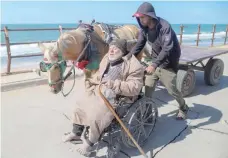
x=165 y=46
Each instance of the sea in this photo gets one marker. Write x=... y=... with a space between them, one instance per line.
x=189 y=38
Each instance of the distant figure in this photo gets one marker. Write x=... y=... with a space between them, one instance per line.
x=164 y=54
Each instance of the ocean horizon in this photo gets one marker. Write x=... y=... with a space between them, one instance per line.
x=188 y=38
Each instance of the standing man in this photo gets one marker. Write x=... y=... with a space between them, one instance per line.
x=164 y=56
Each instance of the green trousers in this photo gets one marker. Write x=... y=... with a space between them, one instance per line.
x=168 y=79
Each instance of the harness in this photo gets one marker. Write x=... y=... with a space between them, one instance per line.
x=109 y=31
x=89 y=59
x=61 y=63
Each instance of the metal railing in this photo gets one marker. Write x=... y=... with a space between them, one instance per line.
x=60 y=29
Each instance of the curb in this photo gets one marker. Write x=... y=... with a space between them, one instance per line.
x=23 y=84
x=29 y=83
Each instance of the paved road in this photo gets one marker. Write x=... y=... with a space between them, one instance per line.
x=34 y=120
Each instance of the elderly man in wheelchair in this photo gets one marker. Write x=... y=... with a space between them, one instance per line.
x=121 y=78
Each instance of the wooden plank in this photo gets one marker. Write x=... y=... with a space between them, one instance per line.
x=192 y=54
x=8 y=49
x=198 y=33
x=226 y=34
x=213 y=35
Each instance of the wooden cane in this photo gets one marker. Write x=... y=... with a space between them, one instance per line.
x=121 y=123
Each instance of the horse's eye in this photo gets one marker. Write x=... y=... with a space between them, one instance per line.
x=55 y=67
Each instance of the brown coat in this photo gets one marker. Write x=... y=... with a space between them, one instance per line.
x=92 y=111
x=132 y=77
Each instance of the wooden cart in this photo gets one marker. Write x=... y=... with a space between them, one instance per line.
x=201 y=59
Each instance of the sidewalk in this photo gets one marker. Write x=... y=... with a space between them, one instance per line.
x=22 y=80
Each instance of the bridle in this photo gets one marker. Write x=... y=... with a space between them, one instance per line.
x=61 y=63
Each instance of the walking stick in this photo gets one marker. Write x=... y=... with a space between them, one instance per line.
x=120 y=122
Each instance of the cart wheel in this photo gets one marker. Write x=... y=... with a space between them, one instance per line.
x=213 y=71
x=186 y=81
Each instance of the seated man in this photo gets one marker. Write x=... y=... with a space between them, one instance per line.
x=119 y=76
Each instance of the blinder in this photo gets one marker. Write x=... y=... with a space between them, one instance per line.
x=44 y=67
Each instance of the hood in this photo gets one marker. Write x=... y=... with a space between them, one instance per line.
x=146 y=9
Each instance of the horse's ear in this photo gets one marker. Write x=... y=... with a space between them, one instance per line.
x=130 y=44
x=42 y=47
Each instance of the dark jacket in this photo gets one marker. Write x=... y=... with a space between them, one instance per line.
x=165 y=46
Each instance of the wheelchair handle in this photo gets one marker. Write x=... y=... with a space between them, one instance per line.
x=109 y=106
x=144 y=66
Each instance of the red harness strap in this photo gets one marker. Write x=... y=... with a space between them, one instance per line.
x=81 y=65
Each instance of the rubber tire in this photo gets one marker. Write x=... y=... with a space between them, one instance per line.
x=182 y=75
x=209 y=71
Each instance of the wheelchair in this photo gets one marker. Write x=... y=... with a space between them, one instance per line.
x=139 y=118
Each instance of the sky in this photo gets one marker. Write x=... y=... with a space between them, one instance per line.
x=176 y=12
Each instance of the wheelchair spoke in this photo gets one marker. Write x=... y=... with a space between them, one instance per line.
x=152 y=113
x=141 y=110
x=149 y=124
x=148 y=117
x=138 y=136
x=144 y=131
x=138 y=120
x=146 y=114
x=147 y=110
x=135 y=126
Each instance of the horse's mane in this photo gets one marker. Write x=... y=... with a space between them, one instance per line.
x=70 y=40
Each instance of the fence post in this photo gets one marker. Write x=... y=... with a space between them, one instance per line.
x=60 y=29
x=213 y=35
x=181 y=33
x=198 y=33
x=8 y=49
x=226 y=34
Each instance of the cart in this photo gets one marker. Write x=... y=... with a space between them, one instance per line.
x=200 y=59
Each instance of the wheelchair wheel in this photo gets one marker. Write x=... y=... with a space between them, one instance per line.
x=140 y=121
x=113 y=150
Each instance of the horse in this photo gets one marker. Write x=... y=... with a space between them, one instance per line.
x=78 y=45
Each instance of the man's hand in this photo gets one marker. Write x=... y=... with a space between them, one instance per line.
x=109 y=84
x=150 y=69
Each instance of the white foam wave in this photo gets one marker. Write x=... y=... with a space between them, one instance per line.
x=203 y=36
x=21 y=49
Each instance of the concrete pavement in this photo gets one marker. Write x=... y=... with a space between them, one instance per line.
x=34 y=120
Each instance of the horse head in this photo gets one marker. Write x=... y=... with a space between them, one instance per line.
x=75 y=45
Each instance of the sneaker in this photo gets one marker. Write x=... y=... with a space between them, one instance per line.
x=182 y=113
